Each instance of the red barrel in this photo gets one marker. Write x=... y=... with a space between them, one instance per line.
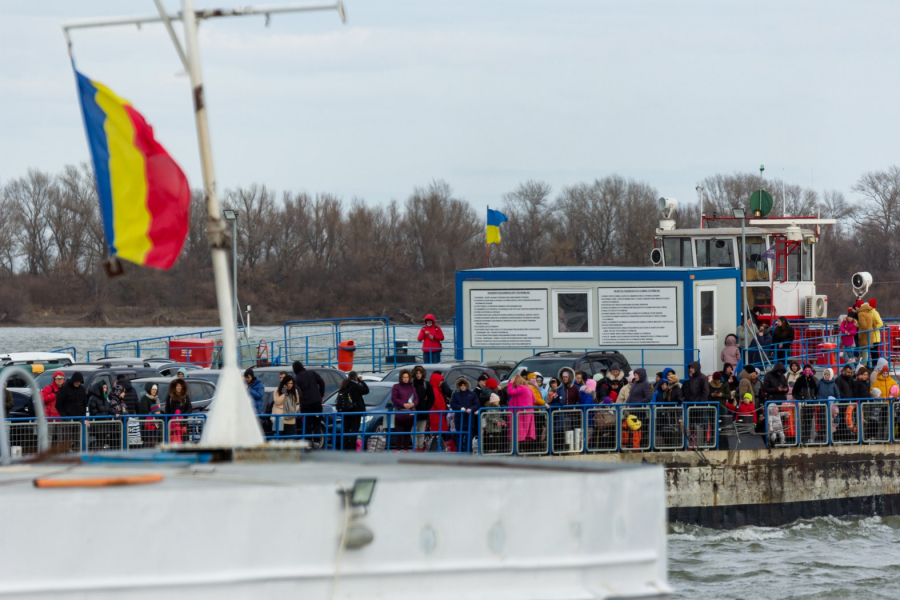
x=345 y=355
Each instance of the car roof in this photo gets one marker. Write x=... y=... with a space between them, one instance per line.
x=84 y=368
x=380 y=384
x=288 y=368
x=439 y=366
x=26 y=356
x=550 y=354
x=117 y=360
x=165 y=379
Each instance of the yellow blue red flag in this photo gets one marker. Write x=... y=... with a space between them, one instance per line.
x=494 y=218
x=144 y=196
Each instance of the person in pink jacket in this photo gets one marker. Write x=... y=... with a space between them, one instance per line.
x=520 y=396
x=431 y=337
x=848 y=331
x=731 y=354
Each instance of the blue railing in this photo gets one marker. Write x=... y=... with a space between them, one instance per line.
x=597 y=428
x=811 y=350
x=333 y=323
x=832 y=422
x=122 y=433
x=155 y=345
x=377 y=431
x=67 y=350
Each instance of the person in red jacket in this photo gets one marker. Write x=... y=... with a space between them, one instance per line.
x=48 y=394
x=744 y=409
x=431 y=337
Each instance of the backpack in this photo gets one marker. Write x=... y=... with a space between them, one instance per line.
x=344 y=402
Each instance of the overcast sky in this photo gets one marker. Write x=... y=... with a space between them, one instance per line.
x=484 y=94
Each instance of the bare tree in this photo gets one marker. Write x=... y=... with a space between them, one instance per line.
x=30 y=199
x=528 y=234
x=255 y=206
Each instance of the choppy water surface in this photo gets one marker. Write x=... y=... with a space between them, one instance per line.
x=818 y=558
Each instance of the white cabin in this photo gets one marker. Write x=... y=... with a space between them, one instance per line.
x=780 y=269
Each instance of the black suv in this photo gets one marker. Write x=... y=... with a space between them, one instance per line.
x=550 y=362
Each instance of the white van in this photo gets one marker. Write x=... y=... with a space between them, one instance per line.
x=31 y=358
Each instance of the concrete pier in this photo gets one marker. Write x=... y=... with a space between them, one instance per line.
x=769 y=487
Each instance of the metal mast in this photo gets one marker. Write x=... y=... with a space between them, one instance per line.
x=232 y=421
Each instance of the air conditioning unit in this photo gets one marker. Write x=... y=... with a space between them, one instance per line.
x=816 y=307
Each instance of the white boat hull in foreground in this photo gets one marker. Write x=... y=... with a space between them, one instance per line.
x=449 y=527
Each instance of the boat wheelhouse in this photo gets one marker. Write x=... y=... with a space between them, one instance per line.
x=779 y=260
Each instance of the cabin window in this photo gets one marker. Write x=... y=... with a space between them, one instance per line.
x=757 y=267
x=799 y=264
x=793 y=264
x=806 y=266
x=573 y=314
x=678 y=252
x=715 y=253
x=760 y=296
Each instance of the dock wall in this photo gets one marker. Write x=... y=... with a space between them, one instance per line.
x=770 y=487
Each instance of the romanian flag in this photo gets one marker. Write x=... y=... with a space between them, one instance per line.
x=494 y=218
x=144 y=196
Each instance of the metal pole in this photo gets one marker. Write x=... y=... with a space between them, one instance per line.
x=744 y=311
x=700 y=189
x=237 y=308
x=248 y=11
x=783 y=196
x=232 y=421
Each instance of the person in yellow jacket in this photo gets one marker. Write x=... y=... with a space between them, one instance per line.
x=883 y=382
x=531 y=379
x=870 y=324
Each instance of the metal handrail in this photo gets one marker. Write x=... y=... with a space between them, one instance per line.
x=42 y=430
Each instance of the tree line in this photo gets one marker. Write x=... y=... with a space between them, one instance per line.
x=306 y=255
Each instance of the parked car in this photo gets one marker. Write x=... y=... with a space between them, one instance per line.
x=94 y=372
x=33 y=362
x=171 y=369
x=502 y=369
x=120 y=361
x=451 y=372
x=27 y=358
x=550 y=362
x=22 y=406
x=332 y=377
x=17 y=381
x=91 y=373
x=201 y=391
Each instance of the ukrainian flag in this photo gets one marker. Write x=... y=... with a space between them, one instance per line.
x=144 y=196
x=494 y=218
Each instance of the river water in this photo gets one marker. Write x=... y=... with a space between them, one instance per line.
x=818 y=558
x=40 y=339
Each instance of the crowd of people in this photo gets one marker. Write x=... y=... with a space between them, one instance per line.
x=417 y=392
x=741 y=389
x=68 y=397
x=858 y=337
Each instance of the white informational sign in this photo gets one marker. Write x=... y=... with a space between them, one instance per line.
x=509 y=318
x=638 y=316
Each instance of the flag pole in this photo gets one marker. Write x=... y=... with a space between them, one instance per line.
x=232 y=421
x=487 y=246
